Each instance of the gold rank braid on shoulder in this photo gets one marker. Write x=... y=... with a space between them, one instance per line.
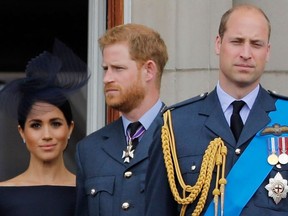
x=215 y=155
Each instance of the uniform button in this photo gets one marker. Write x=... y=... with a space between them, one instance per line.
x=125 y=206
x=93 y=192
x=128 y=174
x=237 y=151
x=193 y=167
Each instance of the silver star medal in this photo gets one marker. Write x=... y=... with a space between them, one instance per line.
x=127 y=154
x=277 y=188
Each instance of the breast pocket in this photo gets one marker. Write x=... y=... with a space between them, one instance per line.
x=190 y=167
x=99 y=191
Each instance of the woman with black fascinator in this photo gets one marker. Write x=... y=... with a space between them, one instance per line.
x=45 y=123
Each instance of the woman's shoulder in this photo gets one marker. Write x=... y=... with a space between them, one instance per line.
x=15 y=181
x=67 y=178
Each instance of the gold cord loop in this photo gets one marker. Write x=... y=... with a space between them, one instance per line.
x=215 y=154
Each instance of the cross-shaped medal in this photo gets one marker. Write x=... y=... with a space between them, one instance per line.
x=128 y=153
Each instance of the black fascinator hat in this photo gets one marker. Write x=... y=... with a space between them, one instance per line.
x=50 y=78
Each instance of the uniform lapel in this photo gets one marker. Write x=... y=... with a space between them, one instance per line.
x=258 y=117
x=216 y=121
x=142 y=150
x=114 y=140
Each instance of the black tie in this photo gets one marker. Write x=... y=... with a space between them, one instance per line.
x=236 y=123
x=133 y=128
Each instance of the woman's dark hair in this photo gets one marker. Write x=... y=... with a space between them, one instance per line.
x=64 y=107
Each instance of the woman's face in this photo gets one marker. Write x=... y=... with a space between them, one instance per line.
x=46 y=132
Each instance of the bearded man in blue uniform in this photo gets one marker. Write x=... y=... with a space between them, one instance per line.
x=112 y=162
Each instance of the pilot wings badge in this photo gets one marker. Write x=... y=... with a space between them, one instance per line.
x=275 y=129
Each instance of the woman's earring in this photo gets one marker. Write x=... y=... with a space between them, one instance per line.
x=24 y=141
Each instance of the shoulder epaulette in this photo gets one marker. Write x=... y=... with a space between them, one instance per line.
x=188 y=101
x=274 y=94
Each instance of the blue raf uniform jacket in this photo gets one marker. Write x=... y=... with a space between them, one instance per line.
x=106 y=186
x=196 y=122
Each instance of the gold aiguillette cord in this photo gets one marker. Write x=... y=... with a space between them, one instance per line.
x=215 y=154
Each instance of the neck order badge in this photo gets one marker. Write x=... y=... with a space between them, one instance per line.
x=134 y=131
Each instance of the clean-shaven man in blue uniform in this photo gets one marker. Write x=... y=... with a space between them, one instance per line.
x=221 y=171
